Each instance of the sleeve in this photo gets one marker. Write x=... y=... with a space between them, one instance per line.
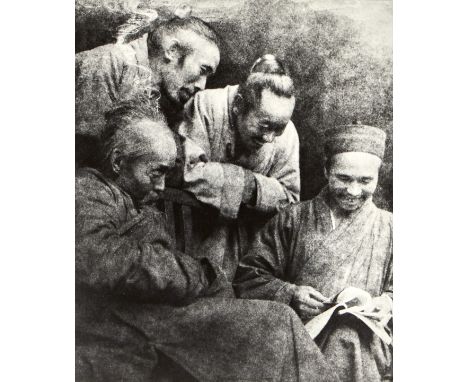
x=222 y=185
x=388 y=284
x=261 y=273
x=219 y=185
x=282 y=184
x=132 y=259
x=97 y=75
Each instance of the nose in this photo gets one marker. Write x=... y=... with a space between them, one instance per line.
x=354 y=190
x=268 y=138
x=200 y=84
x=159 y=184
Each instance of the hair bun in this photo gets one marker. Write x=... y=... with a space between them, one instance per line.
x=183 y=12
x=268 y=64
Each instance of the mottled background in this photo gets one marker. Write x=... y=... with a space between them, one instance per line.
x=339 y=54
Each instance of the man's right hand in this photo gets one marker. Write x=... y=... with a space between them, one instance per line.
x=308 y=302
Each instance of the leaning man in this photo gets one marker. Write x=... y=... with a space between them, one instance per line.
x=172 y=61
x=142 y=311
x=242 y=156
x=311 y=251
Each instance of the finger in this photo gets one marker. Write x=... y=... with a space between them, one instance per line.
x=312 y=303
x=317 y=295
x=308 y=311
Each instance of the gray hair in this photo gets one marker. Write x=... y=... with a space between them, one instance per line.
x=176 y=24
x=120 y=132
x=267 y=72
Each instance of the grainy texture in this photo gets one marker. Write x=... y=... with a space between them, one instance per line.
x=339 y=54
x=300 y=247
x=130 y=292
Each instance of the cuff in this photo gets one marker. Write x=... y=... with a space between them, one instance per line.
x=270 y=194
x=284 y=293
x=249 y=195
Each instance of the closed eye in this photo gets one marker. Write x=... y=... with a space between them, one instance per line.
x=365 y=180
x=344 y=178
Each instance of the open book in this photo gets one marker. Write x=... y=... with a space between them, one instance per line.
x=349 y=301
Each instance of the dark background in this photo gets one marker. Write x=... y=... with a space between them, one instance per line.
x=339 y=54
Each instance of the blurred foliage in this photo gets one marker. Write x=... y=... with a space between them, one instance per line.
x=337 y=76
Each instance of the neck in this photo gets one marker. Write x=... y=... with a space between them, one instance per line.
x=339 y=215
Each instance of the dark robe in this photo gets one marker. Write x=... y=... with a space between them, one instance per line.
x=138 y=303
x=300 y=247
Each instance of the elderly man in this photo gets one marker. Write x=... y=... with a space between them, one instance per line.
x=172 y=61
x=311 y=251
x=140 y=306
x=242 y=156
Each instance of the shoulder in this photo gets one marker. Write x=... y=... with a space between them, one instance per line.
x=385 y=218
x=90 y=184
x=215 y=98
x=110 y=53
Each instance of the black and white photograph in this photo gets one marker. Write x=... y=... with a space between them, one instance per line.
x=224 y=207
x=233 y=190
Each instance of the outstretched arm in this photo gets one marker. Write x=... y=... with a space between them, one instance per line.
x=227 y=186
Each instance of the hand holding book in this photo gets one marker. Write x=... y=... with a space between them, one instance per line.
x=375 y=312
x=308 y=302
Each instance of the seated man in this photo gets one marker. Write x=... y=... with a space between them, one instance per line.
x=310 y=252
x=137 y=302
x=242 y=156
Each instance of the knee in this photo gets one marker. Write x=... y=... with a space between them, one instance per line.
x=345 y=335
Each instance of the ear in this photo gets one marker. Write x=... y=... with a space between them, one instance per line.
x=172 y=50
x=116 y=160
x=238 y=105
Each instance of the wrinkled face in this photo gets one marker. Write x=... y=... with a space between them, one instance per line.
x=143 y=174
x=352 y=179
x=182 y=78
x=264 y=122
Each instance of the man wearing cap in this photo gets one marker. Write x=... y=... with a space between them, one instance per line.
x=311 y=251
x=242 y=156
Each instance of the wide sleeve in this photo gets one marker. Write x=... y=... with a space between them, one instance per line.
x=133 y=258
x=219 y=185
x=282 y=183
x=262 y=271
x=222 y=185
x=98 y=73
